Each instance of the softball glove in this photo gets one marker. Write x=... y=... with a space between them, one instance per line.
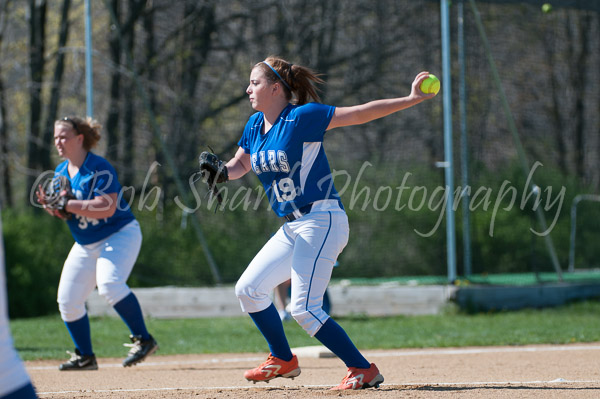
x=54 y=195
x=212 y=171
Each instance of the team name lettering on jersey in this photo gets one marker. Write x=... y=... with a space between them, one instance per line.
x=270 y=161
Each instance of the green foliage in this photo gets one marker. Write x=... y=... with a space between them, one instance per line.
x=36 y=247
x=172 y=253
x=576 y=322
x=511 y=239
x=394 y=229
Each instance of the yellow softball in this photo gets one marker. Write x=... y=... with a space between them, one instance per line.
x=430 y=85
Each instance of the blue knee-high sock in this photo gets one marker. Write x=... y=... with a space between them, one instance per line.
x=80 y=334
x=130 y=311
x=333 y=336
x=27 y=392
x=271 y=327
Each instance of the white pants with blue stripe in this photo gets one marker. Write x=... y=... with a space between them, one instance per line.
x=304 y=250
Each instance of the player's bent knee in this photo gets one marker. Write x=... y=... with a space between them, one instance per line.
x=113 y=292
x=310 y=321
x=251 y=300
x=241 y=290
x=243 y=293
x=71 y=311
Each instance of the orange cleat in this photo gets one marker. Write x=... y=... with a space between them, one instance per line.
x=361 y=378
x=274 y=367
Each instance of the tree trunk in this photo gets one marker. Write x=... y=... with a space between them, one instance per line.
x=5 y=183
x=196 y=38
x=37 y=24
x=150 y=62
x=556 y=94
x=129 y=104
x=122 y=39
x=579 y=85
x=56 y=83
x=112 y=119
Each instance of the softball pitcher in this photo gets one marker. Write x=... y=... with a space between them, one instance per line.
x=283 y=144
x=107 y=242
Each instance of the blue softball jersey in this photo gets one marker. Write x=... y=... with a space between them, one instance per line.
x=289 y=159
x=95 y=177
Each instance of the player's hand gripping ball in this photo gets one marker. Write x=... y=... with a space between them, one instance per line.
x=54 y=195
x=430 y=85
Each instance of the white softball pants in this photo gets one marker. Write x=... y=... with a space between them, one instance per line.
x=304 y=250
x=13 y=375
x=12 y=372
x=106 y=264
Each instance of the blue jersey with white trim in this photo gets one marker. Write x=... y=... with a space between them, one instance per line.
x=95 y=177
x=289 y=159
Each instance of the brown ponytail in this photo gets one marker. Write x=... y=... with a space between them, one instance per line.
x=297 y=80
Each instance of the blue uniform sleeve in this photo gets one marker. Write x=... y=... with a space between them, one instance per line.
x=245 y=140
x=243 y=143
x=312 y=120
x=106 y=181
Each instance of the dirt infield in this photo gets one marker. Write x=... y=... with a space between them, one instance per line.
x=545 y=371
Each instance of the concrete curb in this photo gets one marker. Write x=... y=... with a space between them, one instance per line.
x=370 y=300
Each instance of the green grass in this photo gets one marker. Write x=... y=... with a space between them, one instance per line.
x=47 y=338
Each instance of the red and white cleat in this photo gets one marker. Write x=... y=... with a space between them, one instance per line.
x=361 y=378
x=274 y=367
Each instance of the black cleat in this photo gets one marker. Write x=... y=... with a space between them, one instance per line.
x=140 y=349
x=79 y=362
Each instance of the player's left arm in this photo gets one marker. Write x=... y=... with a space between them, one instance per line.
x=99 y=207
x=239 y=165
x=363 y=113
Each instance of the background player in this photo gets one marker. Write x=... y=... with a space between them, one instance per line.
x=283 y=144
x=107 y=242
x=14 y=381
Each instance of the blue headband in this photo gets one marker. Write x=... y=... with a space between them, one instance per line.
x=279 y=76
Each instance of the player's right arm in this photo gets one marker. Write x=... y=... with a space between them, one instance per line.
x=99 y=207
x=239 y=165
x=363 y=113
